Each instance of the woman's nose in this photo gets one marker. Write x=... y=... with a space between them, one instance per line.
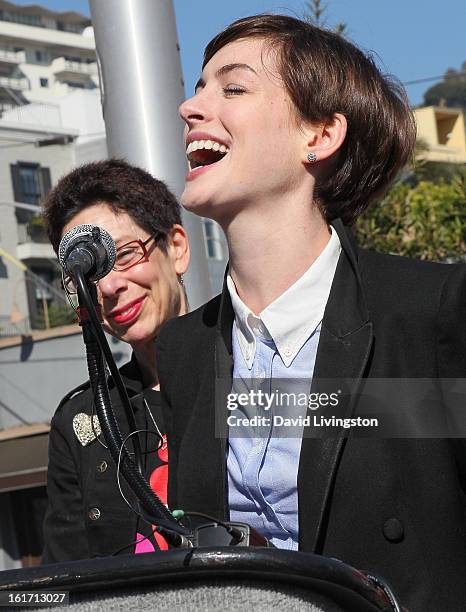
x=111 y=285
x=193 y=110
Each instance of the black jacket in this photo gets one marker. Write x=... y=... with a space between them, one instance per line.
x=86 y=515
x=394 y=507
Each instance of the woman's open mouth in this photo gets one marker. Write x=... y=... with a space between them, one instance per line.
x=202 y=154
x=127 y=313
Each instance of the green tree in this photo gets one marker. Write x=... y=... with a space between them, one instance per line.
x=426 y=220
x=315 y=14
x=58 y=315
x=449 y=92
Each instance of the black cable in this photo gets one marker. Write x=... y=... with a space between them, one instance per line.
x=116 y=376
x=231 y=529
x=162 y=527
x=134 y=542
x=93 y=338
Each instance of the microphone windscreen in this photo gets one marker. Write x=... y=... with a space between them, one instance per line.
x=83 y=233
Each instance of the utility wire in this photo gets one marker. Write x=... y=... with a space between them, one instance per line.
x=26 y=143
x=436 y=78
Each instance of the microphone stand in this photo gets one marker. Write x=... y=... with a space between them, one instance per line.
x=96 y=346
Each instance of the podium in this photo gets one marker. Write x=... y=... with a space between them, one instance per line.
x=206 y=580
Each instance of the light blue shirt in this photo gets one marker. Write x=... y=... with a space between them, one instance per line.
x=275 y=352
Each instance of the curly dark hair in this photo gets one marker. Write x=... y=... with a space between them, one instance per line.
x=121 y=186
x=326 y=74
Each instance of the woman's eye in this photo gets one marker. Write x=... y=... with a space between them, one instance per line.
x=233 y=90
x=126 y=254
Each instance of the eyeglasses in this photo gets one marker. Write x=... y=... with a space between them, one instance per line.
x=128 y=255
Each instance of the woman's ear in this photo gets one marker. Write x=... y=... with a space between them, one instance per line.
x=178 y=246
x=323 y=140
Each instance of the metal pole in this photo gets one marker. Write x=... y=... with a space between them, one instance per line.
x=45 y=308
x=142 y=87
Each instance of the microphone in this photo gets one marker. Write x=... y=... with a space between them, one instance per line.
x=91 y=248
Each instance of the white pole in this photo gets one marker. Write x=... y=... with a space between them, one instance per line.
x=142 y=87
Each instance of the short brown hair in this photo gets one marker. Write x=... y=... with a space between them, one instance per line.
x=325 y=74
x=123 y=187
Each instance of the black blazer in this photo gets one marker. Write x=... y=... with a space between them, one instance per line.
x=394 y=507
x=86 y=515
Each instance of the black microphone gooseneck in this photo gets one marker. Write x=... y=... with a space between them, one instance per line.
x=91 y=250
x=88 y=253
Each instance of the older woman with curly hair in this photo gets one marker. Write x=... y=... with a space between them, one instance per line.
x=87 y=515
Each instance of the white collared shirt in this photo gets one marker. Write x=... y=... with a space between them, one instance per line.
x=293 y=316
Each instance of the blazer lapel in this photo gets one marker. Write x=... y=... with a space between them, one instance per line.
x=200 y=448
x=343 y=351
x=223 y=385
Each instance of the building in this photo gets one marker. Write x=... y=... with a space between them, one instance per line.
x=442 y=130
x=43 y=54
x=37 y=147
x=50 y=121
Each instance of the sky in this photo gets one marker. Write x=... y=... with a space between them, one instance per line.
x=411 y=39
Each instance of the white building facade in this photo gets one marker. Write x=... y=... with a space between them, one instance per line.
x=44 y=54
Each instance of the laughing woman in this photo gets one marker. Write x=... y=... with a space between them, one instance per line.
x=291 y=134
x=86 y=515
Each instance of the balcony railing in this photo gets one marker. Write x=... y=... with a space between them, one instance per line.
x=13 y=83
x=445 y=154
x=64 y=68
x=44 y=114
x=12 y=57
x=33 y=242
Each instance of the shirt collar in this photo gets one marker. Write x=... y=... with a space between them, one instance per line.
x=292 y=318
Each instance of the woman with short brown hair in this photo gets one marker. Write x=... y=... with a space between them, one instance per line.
x=291 y=134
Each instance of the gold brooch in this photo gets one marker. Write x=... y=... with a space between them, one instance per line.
x=86 y=428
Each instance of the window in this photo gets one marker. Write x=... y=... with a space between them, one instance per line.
x=213 y=241
x=32 y=20
x=77 y=28
x=44 y=82
x=31 y=183
x=42 y=291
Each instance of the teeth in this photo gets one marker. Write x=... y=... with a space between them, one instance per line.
x=125 y=312
x=206 y=144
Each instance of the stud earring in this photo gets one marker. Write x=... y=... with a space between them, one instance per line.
x=311 y=157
